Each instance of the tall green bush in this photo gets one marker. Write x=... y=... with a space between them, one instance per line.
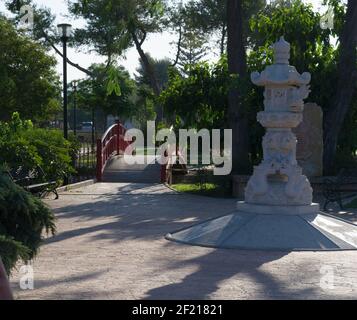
x=22 y=144
x=23 y=219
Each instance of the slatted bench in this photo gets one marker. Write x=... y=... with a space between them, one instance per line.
x=343 y=186
x=34 y=181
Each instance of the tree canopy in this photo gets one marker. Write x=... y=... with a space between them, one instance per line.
x=93 y=92
x=28 y=80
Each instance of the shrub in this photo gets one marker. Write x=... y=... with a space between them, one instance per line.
x=21 y=144
x=23 y=218
x=11 y=251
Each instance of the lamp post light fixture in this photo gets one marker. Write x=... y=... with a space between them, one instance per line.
x=65 y=31
x=74 y=86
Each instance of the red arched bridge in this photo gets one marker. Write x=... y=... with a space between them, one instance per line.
x=112 y=167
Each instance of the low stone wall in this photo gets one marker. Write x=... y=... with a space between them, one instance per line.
x=240 y=182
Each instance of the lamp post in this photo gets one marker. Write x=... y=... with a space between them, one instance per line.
x=65 y=31
x=93 y=132
x=74 y=86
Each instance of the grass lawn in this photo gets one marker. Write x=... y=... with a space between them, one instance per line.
x=145 y=151
x=205 y=189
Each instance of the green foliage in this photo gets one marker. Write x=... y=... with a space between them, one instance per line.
x=11 y=251
x=192 y=50
x=111 y=24
x=145 y=99
x=23 y=218
x=209 y=189
x=145 y=104
x=198 y=100
x=44 y=29
x=28 y=79
x=161 y=70
x=111 y=92
x=346 y=155
x=113 y=82
x=313 y=50
x=22 y=144
x=208 y=19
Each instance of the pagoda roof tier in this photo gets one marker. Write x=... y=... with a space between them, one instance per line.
x=280 y=74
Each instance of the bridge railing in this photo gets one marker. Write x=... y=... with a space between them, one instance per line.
x=111 y=144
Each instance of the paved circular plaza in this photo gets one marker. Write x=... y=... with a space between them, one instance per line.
x=110 y=245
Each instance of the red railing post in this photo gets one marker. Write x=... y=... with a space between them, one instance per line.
x=118 y=132
x=123 y=143
x=99 y=160
x=163 y=172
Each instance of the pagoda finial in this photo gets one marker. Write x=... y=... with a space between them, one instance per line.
x=281 y=51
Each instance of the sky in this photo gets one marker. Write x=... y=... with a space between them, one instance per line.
x=158 y=45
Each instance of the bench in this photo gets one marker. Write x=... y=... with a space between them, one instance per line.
x=343 y=186
x=34 y=181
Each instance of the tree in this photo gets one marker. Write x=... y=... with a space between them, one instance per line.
x=28 y=79
x=44 y=30
x=192 y=41
x=112 y=92
x=192 y=50
x=313 y=51
x=345 y=85
x=237 y=120
x=146 y=101
x=113 y=26
x=209 y=17
x=198 y=100
x=161 y=70
x=311 y=48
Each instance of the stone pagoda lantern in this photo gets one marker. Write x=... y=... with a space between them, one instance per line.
x=278 y=213
x=278 y=180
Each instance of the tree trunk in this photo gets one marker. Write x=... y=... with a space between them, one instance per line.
x=223 y=37
x=237 y=65
x=346 y=84
x=151 y=74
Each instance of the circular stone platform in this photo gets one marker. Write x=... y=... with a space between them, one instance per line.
x=271 y=209
x=279 y=232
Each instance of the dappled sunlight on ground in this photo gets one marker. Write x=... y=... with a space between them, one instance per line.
x=110 y=245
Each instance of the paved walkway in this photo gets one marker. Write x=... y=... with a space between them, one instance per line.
x=110 y=245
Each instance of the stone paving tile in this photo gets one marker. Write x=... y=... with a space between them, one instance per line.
x=110 y=245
